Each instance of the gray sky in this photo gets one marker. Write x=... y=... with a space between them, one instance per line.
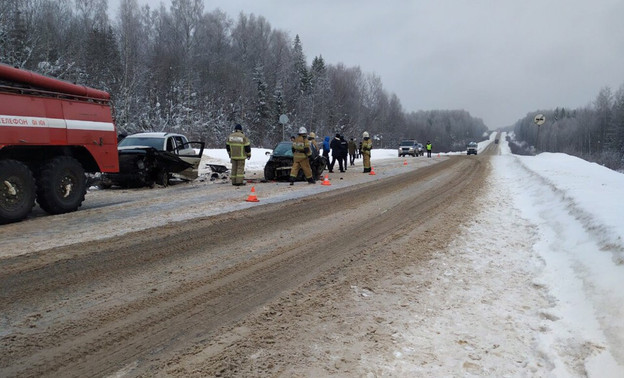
x=497 y=59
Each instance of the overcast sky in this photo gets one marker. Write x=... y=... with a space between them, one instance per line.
x=497 y=59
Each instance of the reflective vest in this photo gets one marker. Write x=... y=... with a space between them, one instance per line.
x=301 y=147
x=236 y=143
x=367 y=145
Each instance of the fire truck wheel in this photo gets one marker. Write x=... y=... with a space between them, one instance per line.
x=17 y=191
x=61 y=185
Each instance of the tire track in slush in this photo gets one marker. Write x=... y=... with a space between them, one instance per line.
x=148 y=327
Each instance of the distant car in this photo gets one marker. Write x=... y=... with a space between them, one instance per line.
x=146 y=159
x=410 y=147
x=471 y=148
x=420 y=148
x=281 y=160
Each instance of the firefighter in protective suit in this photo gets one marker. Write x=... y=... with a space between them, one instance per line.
x=367 y=146
x=301 y=152
x=238 y=148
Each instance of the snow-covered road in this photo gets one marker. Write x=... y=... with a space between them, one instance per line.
x=531 y=287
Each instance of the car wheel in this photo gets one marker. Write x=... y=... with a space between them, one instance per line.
x=269 y=172
x=162 y=178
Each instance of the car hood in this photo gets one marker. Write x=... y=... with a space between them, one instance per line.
x=162 y=159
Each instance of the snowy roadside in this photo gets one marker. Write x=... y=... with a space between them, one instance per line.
x=532 y=287
x=574 y=212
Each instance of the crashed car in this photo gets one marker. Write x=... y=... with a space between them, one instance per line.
x=146 y=159
x=279 y=164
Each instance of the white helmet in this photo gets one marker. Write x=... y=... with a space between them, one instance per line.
x=365 y=134
x=302 y=130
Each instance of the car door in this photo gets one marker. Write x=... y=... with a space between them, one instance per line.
x=190 y=152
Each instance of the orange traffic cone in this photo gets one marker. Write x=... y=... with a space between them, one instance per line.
x=404 y=162
x=372 y=172
x=252 y=197
x=326 y=181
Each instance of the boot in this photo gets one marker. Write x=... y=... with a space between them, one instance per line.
x=292 y=180
x=311 y=181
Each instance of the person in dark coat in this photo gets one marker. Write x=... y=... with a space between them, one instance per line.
x=336 y=153
x=344 y=152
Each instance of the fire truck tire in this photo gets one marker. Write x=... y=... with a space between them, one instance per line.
x=61 y=185
x=17 y=191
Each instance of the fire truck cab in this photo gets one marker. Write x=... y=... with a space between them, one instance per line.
x=51 y=133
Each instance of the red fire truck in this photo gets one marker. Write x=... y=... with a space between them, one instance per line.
x=51 y=133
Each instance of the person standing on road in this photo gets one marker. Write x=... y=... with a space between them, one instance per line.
x=315 y=157
x=429 y=147
x=352 y=149
x=344 y=151
x=313 y=144
x=367 y=146
x=326 y=149
x=301 y=153
x=336 y=154
x=238 y=148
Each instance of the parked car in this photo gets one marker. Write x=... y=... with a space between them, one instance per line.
x=471 y=148
x=420 y=149
x=410 y=147
x=281 y=160
x=146 y=159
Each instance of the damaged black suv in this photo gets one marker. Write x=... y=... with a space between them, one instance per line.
x=279 y=164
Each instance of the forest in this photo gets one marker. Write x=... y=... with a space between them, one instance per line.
x=594 y=132
x=184 y=69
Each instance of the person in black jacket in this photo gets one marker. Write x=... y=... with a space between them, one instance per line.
x=344 y=152
x=336 y=153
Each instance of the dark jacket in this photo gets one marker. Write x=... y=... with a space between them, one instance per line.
x=335 y=147
x=352 y=147
x=344 y=147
